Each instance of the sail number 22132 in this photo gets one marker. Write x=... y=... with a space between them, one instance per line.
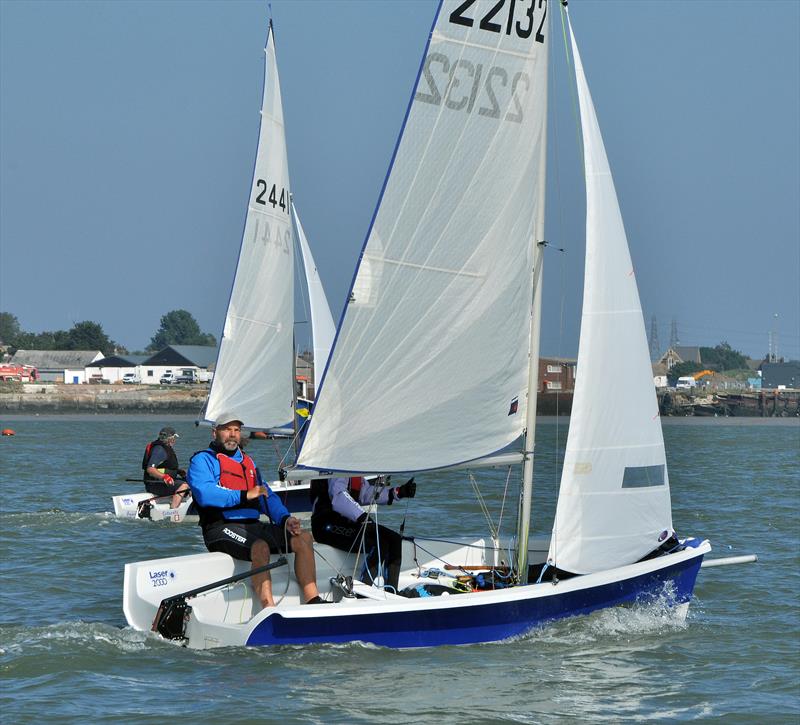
x=520 y=21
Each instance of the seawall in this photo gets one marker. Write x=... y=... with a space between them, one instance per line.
x=59 y=398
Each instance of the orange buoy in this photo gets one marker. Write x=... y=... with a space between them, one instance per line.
x=260 y=434
x=7 y=432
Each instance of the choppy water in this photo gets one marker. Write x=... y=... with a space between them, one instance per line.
x=66 y=654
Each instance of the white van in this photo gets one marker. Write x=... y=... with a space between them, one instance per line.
x=131 y=379
x=686 y=382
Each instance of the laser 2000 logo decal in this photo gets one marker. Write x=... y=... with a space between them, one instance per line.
x=161 y=578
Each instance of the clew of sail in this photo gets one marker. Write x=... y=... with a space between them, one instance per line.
x=614 y=499
x=322 y=328
x=430 y=366
x=252 y=375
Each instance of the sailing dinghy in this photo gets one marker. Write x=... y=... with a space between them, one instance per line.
x=143 y=505
x=254 y=373
x=450 y=282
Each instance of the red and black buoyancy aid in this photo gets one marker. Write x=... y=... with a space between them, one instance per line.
x=170 y=464
x=354 y=485
x=233 y=474
x=237 y=475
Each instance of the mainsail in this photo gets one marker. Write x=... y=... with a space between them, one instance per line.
x=253 y=372
x=430 y=367
x=614 y=499
x=322 y=328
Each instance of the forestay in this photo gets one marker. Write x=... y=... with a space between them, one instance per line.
x=614 y=499
x=322 y=328
x=430 y=365
x=253 y=372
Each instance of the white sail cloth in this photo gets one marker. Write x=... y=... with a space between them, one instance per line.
x=430 y=367
x=253 y=373
x=322 y=328
x=614 y=499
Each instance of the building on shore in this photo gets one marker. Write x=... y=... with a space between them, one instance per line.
x=780 y=375
x=58 y=366
x=677 y=354
x=175 y=358
x=111 y=369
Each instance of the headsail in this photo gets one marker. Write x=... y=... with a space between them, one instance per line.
x=430 y=366
x=322 y=328
x=253 y=372
x=614 y=499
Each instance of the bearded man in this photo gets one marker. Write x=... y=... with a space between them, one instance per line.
x=231 y=496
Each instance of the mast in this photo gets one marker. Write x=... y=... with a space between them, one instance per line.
x=524 y=520
x=295 y=429
x=526 y=499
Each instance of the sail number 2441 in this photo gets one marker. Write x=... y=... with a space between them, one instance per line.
x=271 y=198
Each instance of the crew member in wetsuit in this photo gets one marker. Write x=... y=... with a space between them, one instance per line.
x=231 y=496
x=160 y=467
x=338 y=518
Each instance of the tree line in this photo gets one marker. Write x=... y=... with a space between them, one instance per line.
x=177 y=327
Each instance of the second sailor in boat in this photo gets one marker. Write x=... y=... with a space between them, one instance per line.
x=231 y=496
x=160 y=467
x=338 y=518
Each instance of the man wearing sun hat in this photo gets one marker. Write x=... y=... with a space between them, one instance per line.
x=160 y=466
x=231 y=496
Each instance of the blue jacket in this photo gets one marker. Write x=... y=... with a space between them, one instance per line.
x=203 y=479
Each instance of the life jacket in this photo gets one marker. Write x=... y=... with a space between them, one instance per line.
x=233 y=474
x=170 y=465
x=237 y=475
x=354 y=485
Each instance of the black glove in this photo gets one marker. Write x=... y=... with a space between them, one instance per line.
x=407 y=490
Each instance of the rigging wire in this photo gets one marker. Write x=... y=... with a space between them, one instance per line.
x=482 y=503
x=572 y=86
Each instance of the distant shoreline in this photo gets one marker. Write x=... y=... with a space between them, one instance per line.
x=25 y=417
x=187 y=402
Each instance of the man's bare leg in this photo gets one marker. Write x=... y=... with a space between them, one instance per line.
x=262 y=583
x=304 y=566
x=177 y=497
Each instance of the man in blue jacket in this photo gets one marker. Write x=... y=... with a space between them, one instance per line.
x=231 y=495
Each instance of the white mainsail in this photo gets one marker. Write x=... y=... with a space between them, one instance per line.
x=322 y=328
x=614 y=499
x=430 y=367
x=253 y=372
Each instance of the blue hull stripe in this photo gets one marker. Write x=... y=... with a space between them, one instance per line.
x=480 y=623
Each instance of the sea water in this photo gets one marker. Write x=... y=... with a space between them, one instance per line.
x=67 y=655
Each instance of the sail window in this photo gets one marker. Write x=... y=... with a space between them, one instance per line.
x=643 y=476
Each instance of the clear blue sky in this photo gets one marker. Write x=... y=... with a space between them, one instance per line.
x=128 y=129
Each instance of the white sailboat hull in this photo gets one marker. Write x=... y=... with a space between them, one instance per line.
x=134 y=506
x=294 y=494
x=231 y=616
